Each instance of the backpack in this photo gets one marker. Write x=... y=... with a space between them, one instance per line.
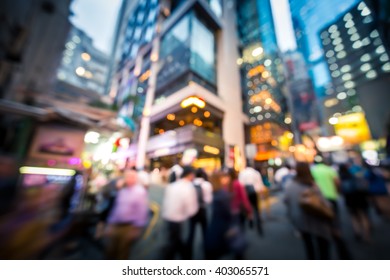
x=172 y=177
x=199 y=194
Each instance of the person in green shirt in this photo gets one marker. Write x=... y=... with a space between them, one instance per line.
x=328 y=181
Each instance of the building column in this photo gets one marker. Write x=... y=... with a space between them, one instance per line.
x=229 y=86
x=150 y=93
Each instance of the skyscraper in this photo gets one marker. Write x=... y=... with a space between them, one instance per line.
x=262 y=76
x=82 y=64
x=309 y=17
x=358 y=60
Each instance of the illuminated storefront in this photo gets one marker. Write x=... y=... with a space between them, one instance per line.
x=353 y=128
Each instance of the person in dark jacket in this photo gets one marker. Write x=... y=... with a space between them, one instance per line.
x=315 y=231
x=356 y=202
x=216 y=242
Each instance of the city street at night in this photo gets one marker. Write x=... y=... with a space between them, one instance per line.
x=194 y=130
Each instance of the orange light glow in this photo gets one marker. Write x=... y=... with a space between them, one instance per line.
x=144 y=76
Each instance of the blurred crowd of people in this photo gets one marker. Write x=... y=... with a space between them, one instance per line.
x=113 y=212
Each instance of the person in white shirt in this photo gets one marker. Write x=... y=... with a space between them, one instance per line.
x=175 y=173
x=283 y=174
x=253 y=183
x=204 y=192
x=180 y=203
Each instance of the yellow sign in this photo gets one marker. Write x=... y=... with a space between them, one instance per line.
x=353 y=128
x=193 y=100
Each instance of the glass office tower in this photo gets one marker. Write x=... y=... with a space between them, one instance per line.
x=309 y=17
x=262 y=76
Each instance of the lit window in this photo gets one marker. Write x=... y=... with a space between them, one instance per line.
x=339 y=48
x=366 y=41
x=355 y=37
x=257 y=109
x=260 y=117
x=332 y=59
x=324 y=35
x=267 y=62
x=357 y=108
x=326 y=41
x=386 y=67
x=335 y=35
x=76 y=39
x=267 y=115
x=368 y=19
x=333 y=67
x=384 y=57
x=336 y=41
x=349 y=84
x=333 y=28
x=365 y=67
x=374 y=34
x=252 y=119
x=251 y=111
x=361 y=6
x=380 y=49
x=341 y=54
x=329 y=53
x=351 y=92
x=61 y=76
x=346 y=77
x=371 y=74
x=341 y=96
x=357 y=45
x=349 y=24
x=347 y=17
x=352 y=30
x=366 y=57
x=366 y=11
x=336 y=74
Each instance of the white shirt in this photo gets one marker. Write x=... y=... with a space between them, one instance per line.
x=280 y=173
x=178 y=170
x=207 y=189
x=250 y=176
x=180 y=201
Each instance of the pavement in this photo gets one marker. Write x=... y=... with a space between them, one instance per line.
x=280 y=242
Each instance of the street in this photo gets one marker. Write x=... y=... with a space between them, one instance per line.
x=279 y=241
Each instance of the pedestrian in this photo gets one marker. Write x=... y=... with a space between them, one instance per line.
x=356 y=201
x=204 y=193
x=127 y=218
x=175 y=173
x=328 y=181
x=216 y=242
x=180 y=203
x=252 y=181
x=240 y=207
x=284 y=174
x=315 y=231
x=378 y=192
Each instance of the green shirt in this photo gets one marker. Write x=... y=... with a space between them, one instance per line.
x=325 y=179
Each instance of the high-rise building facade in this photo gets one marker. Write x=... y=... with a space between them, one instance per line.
x=262 y=77
x=82 y=64
x=309 y=17
x=185 y=75
x=304 y=105
x=358 y=60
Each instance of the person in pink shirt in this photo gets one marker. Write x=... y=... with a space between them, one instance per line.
x=240 y=202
